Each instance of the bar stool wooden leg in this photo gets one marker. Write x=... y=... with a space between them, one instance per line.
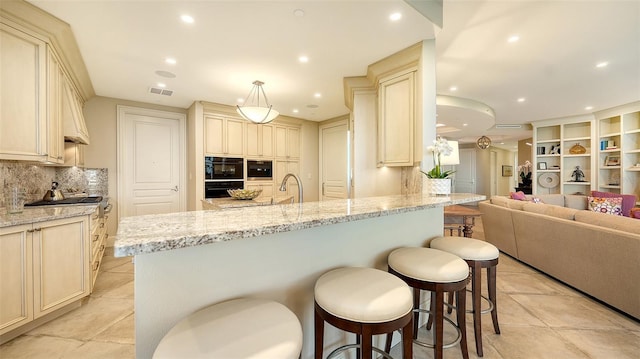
x=439 y=332
x=318 y=327
x=461 y=314
x=476 y=287
x=491 y=286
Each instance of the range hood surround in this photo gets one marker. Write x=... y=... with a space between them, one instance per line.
x=73 y=125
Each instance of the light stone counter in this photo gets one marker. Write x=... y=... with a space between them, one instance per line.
x=228 y=202
x=154 y=233
x=187 y=261
x=45 y=213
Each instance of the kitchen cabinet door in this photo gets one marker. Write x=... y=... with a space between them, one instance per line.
x=259 y=141
x=396 y=120
x=55 y=141
x=16 y=279
x=287 y=140
x=266 y=187
x=224 y=136
x=23 y=104
x=73 y=154
x=61 y=256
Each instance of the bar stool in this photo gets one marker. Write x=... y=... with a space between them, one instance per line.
x=364 y=301
x=439 y=272
x=241 y=328
x=478 y=254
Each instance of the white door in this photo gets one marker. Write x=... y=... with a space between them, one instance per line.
x=466 y=172
x=493 y=167
x=151 y=161
x=334 y=160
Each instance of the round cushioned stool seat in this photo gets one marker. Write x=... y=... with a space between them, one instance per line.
x=380 y=297
x=466 y=248
x=240 y=328
x=429 y=265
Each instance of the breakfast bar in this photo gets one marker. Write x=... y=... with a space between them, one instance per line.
x=189 y=260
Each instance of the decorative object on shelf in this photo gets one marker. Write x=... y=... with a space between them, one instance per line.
x=507 y=171
x=438 y=181
x=612 y=160
x=252 y=111
x=548 y=180
x=577 y=149
x=555 y=150
x=614 y=179
x=525 y=173
x=483 y=142
x=540 y=150
x=244 y=193
x=578 y=174
x=542 y=165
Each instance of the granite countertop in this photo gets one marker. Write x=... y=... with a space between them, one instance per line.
x=162 y=232
x=45 y=213
x=228 y=202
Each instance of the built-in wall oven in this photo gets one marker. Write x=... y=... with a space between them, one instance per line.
x=259 y=170
x=221 y=174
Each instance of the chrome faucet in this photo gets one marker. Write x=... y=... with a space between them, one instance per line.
x=283 y=185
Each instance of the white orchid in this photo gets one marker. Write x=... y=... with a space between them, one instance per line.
x=440 y=147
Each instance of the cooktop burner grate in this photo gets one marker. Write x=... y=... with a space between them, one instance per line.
x=70 y=200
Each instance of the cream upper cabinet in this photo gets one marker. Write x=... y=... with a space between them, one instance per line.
x=55 y=141
x=396 y=120
x=49 y=266
x=16 y=281
x=23 y=105
x=73 y=154
x=287 y=139
x=259 y=141
x=223 y=136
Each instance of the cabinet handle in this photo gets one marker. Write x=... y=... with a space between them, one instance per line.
x=95 y=267
x=175 y=189
x=97 y=237
x=37 y=229
x=30 y=230
x=60 y=157
x=102 y=225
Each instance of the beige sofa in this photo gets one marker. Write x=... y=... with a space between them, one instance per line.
x=596 y=253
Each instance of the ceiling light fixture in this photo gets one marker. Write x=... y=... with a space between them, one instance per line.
x=521 y=99
x=395 y=16
x=170 y=61
x=483 y=142
x=453 y=88
x=589 y=108
x=317 y=95
x=187 y=19
x=602 y=64
x=253 y=111
x=513 y=38
x=303 y=59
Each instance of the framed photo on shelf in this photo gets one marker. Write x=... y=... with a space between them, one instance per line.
x=542 y=165
x=612 y=160
x=507 y=171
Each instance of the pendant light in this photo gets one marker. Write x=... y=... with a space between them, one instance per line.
x=484 y=142
x=252 y=111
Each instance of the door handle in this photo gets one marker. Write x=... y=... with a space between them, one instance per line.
x=175 y=189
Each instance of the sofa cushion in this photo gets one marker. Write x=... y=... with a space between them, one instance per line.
x=555 y=199
x=620 y=223
x=575 y=201
x=628 y=200
x=516 y=204
x=551 y=210
x=499 y=200
x=612 y=205
x=635 y=212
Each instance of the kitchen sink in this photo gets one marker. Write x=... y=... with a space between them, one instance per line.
x=70 y=200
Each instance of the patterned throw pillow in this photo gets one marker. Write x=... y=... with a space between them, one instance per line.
x=606 y=205
x=520 y=196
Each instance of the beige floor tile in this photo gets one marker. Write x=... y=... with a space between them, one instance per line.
x=108 y=281
x=102 y=350
x=533 y=343
x=601 y=343
x=124 y=291
x=565 y=312
x=35 y=347
x=87 y=321
x=122 y=332
x=109 y=262
x=528 y=283
x=123 y=268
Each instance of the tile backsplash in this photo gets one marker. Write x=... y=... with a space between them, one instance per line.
x=36 y=179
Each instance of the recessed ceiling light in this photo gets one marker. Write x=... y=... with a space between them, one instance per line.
x=395 y=16
x=295 y=110
x=453 y=88
x=170 y=61
x=317 y=95
x=298 y=12
x=240 y=100
x=521 y=99
x=602 y=64
x=465 y=124
x=303 y=59
x=528 y=143
x=187 y=19
x=440 y=125
x=160 y=84
x=513 y=38
x=588 y=108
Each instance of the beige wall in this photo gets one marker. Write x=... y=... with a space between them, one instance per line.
x=101 y=118
x=483 y=169
x=525 y=152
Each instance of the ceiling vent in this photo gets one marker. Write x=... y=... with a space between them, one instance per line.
x=159 y=91
x=508 y=126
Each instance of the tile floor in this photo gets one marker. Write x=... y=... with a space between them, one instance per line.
x=539 y=318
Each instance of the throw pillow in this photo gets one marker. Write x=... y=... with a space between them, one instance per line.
x=628 y=200
x=635 y=212
x=536 y=200
x=611 y=205
x=520 y=196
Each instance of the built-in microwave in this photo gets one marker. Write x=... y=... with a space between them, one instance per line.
x=218 y=189
x=223 y=168
x=259 y=170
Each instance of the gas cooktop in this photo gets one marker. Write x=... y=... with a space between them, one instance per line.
x=70 y=200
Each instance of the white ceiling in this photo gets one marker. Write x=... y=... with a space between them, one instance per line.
x=233 y=43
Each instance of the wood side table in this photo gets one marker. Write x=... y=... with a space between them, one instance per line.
x=466 y=214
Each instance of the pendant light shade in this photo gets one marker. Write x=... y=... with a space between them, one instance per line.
x=484 y=142
x=252 y=111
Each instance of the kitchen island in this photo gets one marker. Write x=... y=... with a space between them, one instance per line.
x=187 y=261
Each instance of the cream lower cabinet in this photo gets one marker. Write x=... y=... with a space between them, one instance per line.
x=45 y=266
x=98 y=239
x=265 y=186
x=282 y=169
